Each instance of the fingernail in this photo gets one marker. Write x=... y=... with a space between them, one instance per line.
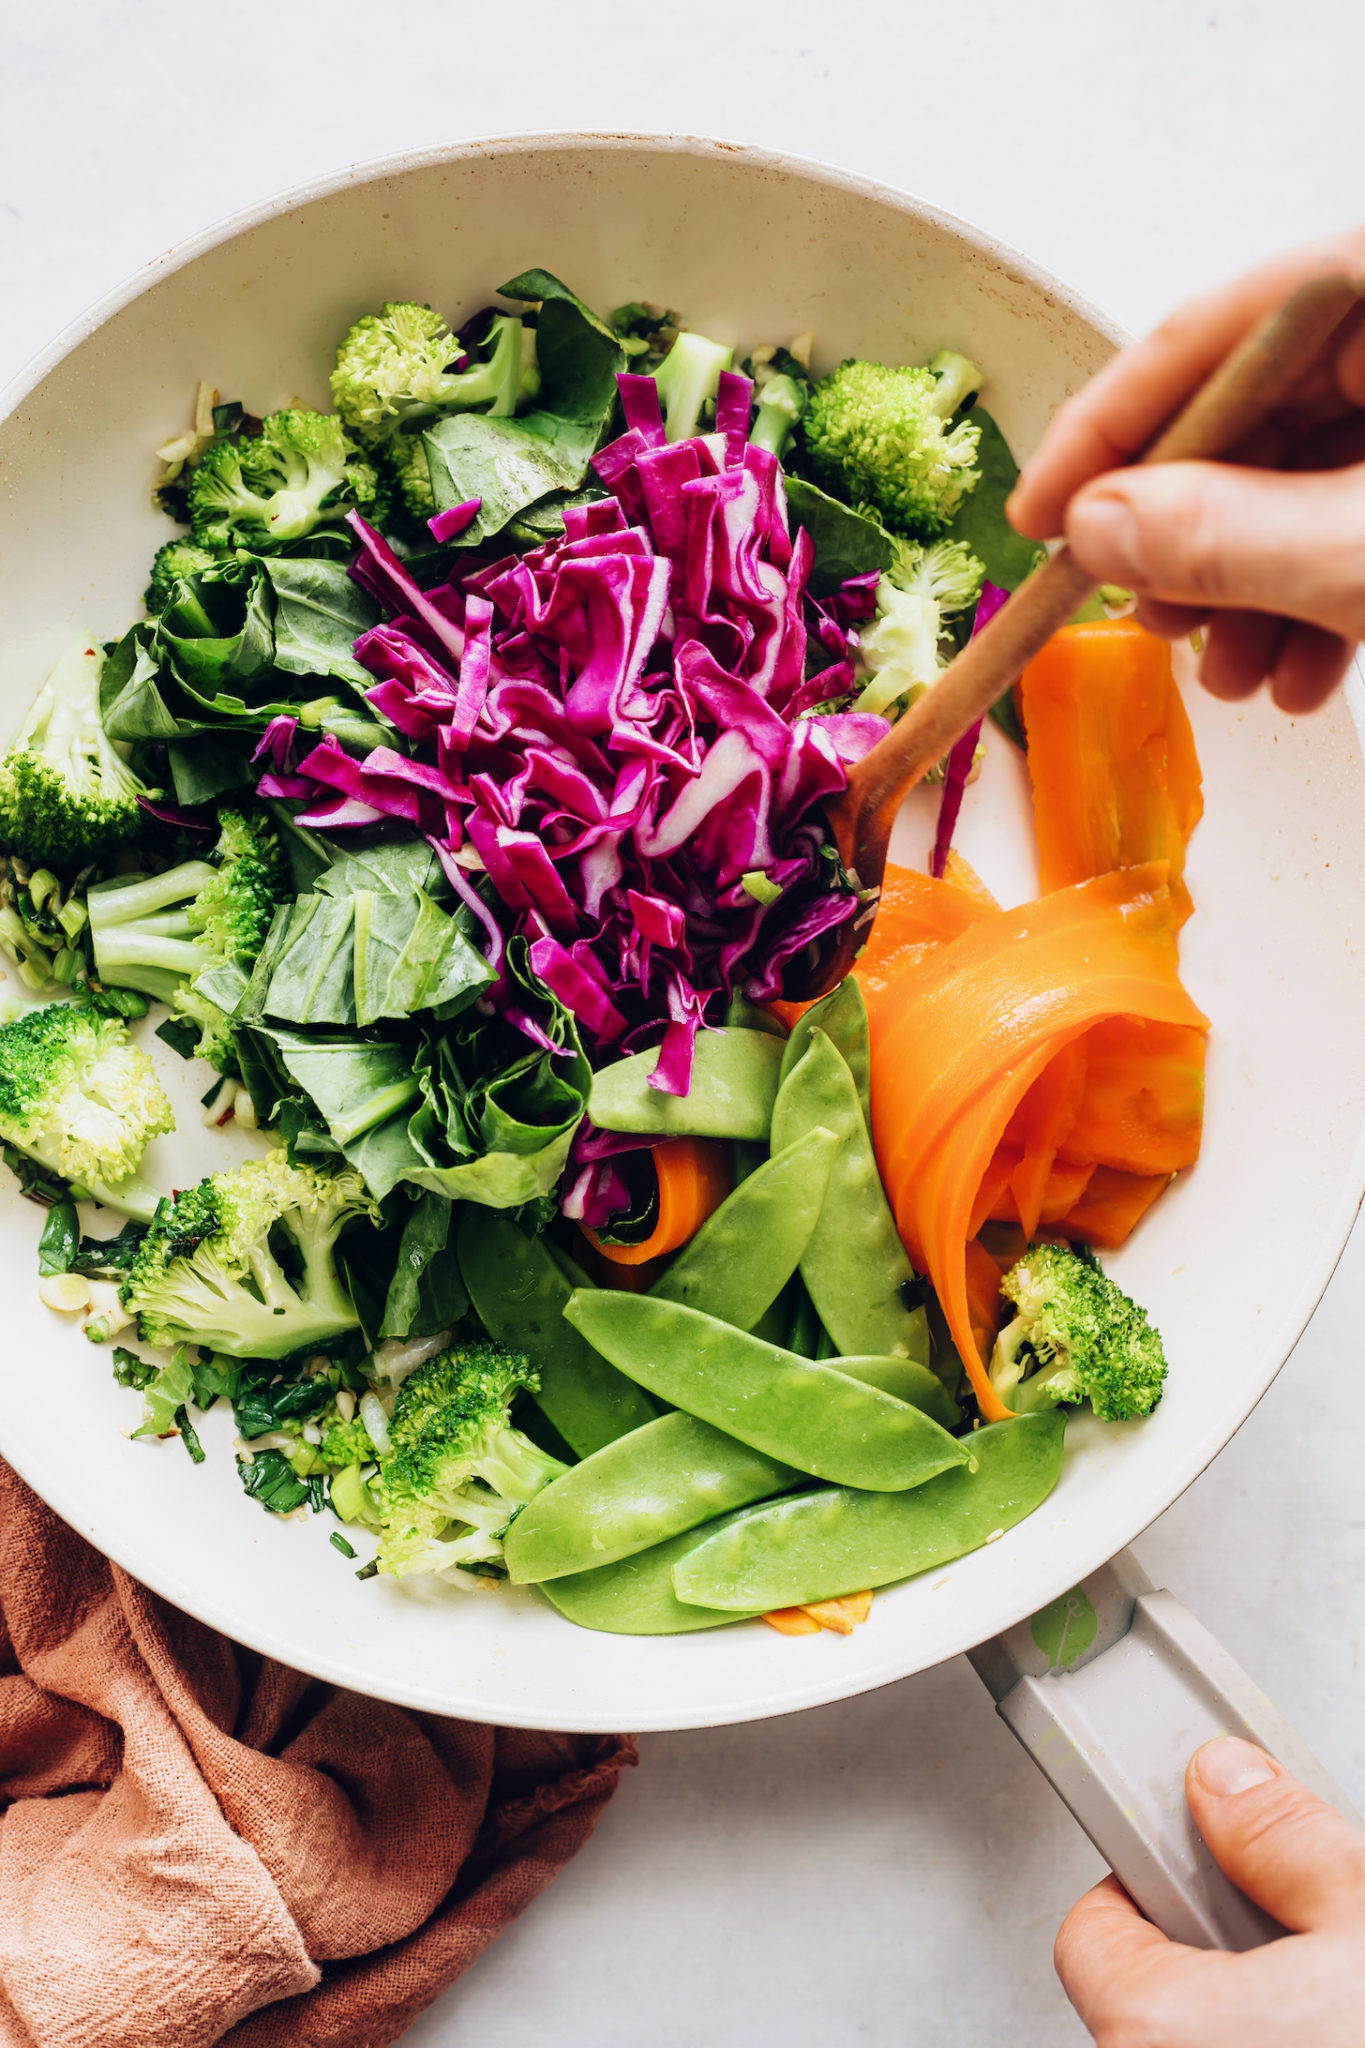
x=1103 y=534
x=1229 y=1766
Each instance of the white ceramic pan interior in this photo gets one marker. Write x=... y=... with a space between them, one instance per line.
x=754 y=248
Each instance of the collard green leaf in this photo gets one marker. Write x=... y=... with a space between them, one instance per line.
x=410 y=955
x=981 y=521
x=367 y=954
x=131 y=702
x=319 y=614
x=398 y=865
x=310 y=968
x=204 y=767
x=511 y=464
x=578 y=354
x=506 y=463
x=61 y=1236
x=219 y=628
x=847 y=543
x=357 y=1084
x=426 y=1293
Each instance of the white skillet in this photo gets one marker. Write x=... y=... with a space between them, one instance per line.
x=756 y=248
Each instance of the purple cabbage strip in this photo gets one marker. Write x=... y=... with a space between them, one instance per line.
x=611 y=727
x=963 y=752
x=445 y=525
x=186 y=821
x=640 y=407
x=734 y=401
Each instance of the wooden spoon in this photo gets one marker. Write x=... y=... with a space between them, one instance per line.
x=1256 y=378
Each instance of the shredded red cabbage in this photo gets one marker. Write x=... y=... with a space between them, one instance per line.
x=445 y=525
x=617 y=728
x=963 y=753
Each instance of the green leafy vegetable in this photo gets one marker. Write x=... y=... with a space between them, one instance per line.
x=426 y=1293
x=980 y=520
x=847 y=543
x=58 y=1244
x=511 y=464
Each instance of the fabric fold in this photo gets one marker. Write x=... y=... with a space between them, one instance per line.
x=201 y=1845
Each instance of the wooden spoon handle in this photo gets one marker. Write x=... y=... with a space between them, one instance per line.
x=1245 y=388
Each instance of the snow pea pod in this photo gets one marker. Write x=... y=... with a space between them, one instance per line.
x=836 y=1540
x=734 y=1082
x=520 y=1292
x=668 y=1477
x=854 y=1264
x=753 y=1017
x=907 y=1379
x=634 y=1493
x=822 y=1421
x=842 y=1016
x=635 y=1596
x=747 y=1250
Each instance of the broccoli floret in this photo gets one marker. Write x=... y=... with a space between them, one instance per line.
x=456 y=1471
x=300 y=472
x=883 y=437
x=156 y=933
x=66 y=794
x=344 y=1443
x=341 y=1445
x=78 y=1097
x=1077 y=1337
x=398 y=365
x=646 y=332
x=212 y=1268
x=920 y=593
x=688 y=379
x=180 y=557
x=44 y=926
x=405 y=458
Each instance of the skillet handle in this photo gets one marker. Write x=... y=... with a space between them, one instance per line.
x=1110 y=1690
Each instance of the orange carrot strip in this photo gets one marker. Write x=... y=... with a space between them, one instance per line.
x=973 y=1027
x=1042 y=1121
x=994 y=1202
x=1112 y=1206
x=1111 y=756
x=983 y=1295
x=792 y=1621
x=841 y=1616
x=1065 y=1186
x=694 y=1179
x=1142 y=1106
x=963 y=876
x=916 y=914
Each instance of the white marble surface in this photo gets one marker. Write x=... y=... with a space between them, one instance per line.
x=888 y=1871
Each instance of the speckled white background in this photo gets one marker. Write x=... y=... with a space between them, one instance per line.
x=889 y=1871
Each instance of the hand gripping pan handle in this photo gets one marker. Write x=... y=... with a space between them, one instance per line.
x=1111 y=1690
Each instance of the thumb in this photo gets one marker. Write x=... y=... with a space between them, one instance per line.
x=1287 y=1849
x=1207 y=534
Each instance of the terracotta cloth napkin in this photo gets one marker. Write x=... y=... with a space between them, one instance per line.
x=200 y=1845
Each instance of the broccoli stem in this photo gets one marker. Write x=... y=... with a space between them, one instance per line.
x=132 y=1197
x=688 y=379
x=1009 y=1359
x=140 y=940
x=123 y=902
x=958 y=380
x=779 y=408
